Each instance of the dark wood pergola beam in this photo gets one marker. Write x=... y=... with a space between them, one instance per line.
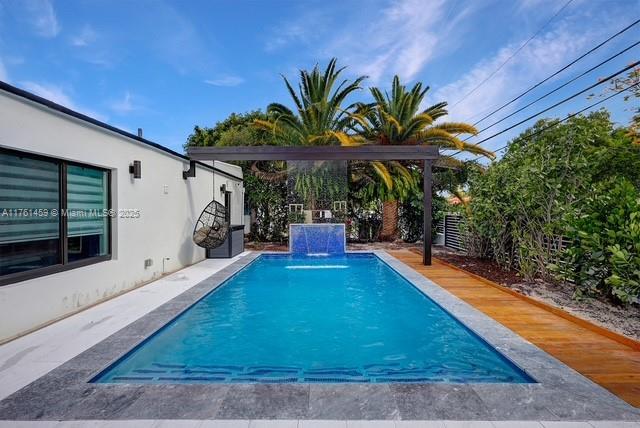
x=428 y=154
x=265 y=153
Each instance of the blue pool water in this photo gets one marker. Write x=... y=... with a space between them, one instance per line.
x=283 y=318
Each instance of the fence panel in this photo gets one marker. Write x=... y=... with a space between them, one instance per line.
x=452 y=235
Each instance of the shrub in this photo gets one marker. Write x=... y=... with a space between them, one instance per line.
x=542 y=190
x=604 y=256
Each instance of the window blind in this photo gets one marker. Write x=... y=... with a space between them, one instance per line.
x=86 y=200
x=28 y=185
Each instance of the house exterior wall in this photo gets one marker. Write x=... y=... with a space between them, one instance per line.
x=169 y=206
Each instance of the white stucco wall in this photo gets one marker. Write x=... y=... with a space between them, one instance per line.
x=169 y=207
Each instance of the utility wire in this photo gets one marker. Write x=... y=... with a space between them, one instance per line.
x=557 y=122
x=486 y=79
x=550 y=92
x=589 y=52
x=602 y=81
x=560 y=87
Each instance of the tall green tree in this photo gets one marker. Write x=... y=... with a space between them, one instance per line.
x=396 y=118
x=320 y=117
x=236 y=129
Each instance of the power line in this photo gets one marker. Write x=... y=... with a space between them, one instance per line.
x=513 y=54
x=550 y=92
x=551 y=76
x=557 y=122
x=602 y=81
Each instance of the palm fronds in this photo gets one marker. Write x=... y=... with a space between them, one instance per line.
x=319 y=114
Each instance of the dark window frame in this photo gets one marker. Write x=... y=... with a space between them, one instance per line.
x=63 y=265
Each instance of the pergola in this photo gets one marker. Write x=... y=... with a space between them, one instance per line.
x=428 y=154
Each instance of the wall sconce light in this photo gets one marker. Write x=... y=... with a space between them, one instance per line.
x=136 y=169
x=223 y=188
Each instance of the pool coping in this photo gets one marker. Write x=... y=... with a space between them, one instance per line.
x=560 y=394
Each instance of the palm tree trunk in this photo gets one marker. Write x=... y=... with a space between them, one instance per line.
x=389 y=221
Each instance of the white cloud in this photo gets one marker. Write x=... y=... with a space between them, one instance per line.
x=125 y=105
x=176 y=40
x=400 y=38
x=300 y=30
x=57 y=95
x=42 y=17
x=538 y=59
x=85 y=37
x=225 y=81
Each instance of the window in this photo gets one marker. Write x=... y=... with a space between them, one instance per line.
x=87 y=204
x=53 y=215
x=28 y=241
x=296 y=208
x=339 y=205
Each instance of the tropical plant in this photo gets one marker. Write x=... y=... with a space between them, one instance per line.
x=397 y=119
x=604 y=255
x=526 y=205
x=320 y=117
x=236 y=129
x=269 y=208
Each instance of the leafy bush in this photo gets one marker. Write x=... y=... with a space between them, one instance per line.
x=604 y=257
x=268 y=202
x=411 y=216
x=548 y=186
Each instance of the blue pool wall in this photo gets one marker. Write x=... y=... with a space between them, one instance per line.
x=310 y=239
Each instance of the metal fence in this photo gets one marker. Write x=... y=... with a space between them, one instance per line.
x=448 y=232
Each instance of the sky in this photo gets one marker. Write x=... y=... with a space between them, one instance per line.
x=166 y=66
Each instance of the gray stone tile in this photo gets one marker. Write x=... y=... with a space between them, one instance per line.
x=260 y=401
x=350 y=401
x=177 y=402
x=104 y=402
x=44 y=398
x=579 y=399
x=513 y=402
x=439 y=401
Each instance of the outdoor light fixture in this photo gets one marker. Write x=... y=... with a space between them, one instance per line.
x=191 y=172
x=136 y=169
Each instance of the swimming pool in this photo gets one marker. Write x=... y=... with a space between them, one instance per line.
x=302 y=319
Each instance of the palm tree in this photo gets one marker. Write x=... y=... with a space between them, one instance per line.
x=320 y=118
x=396 y=119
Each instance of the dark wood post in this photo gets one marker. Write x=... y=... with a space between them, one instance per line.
x=426 y=228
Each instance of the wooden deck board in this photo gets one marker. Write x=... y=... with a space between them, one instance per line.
x=612 y=364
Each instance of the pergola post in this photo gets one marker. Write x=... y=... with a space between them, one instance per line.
x=426 y=217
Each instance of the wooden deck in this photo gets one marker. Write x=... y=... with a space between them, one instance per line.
x=613 y=364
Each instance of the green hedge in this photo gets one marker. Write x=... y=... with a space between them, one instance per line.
x=577 y=180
